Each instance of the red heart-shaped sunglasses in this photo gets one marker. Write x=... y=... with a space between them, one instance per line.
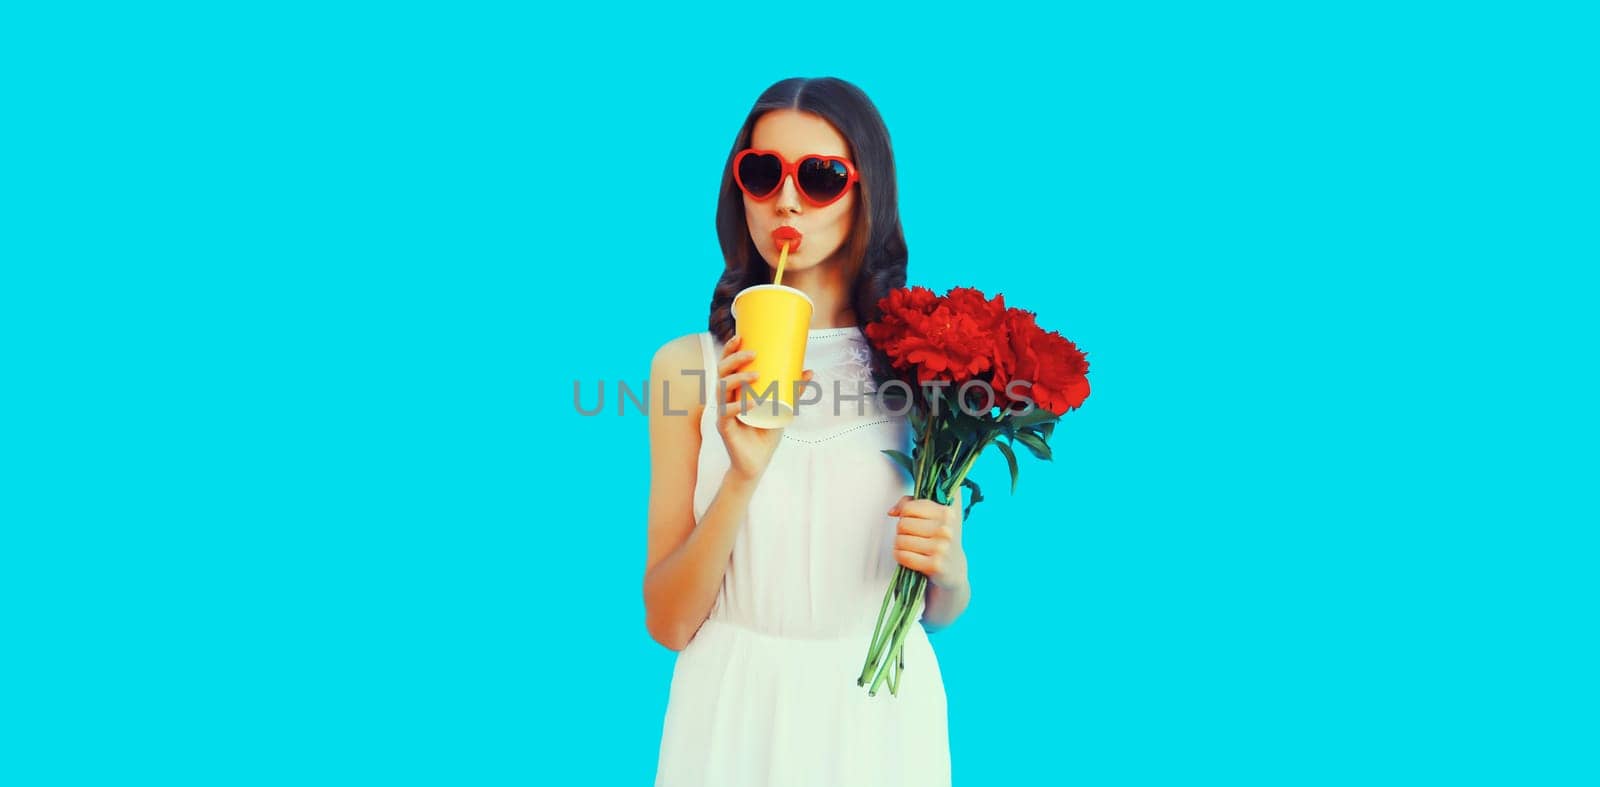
x=821 y=180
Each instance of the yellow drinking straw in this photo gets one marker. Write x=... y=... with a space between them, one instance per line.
x=783 y=257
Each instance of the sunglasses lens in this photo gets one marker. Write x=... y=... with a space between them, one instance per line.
x=821 y=179
x=759 y=174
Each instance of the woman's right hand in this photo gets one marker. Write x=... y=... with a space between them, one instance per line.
x=750 y=448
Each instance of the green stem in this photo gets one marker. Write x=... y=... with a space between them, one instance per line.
x=901 y=623
x=883 y=669
x=949 y=467
x=877 y=637
x=882 y=635
x=967 y=463
x=923 y=450
x=897 y=659
x=897 y=629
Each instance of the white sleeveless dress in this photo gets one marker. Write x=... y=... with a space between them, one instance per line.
x=765 y=693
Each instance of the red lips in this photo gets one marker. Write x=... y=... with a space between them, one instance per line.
x=789 y=235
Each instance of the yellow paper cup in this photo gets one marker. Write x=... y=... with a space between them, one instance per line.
x=774 y=320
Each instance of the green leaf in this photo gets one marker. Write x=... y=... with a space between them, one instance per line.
x=967 y=428
x=1011 y=461
x=1035 y=444
x=1047 y=429
x=977 y=495
x=1038 y=415
x=902 y=460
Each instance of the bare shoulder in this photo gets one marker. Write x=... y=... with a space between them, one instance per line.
x=679 y=353
x=678 y=367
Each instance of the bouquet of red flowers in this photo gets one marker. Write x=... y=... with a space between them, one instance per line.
x=973 y=371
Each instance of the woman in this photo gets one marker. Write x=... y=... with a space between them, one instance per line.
x=770 y=550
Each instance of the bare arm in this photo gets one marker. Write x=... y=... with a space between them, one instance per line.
x=682 y=586
x=943 y=605
x=686 y=561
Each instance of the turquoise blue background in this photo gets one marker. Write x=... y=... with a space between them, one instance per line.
x=294 y=299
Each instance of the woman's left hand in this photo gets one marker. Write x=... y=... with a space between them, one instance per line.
x=928 y=539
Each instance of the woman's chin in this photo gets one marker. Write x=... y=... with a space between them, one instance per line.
x=789 y=268
x=794 y=264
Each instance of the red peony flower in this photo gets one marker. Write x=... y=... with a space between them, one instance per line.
x=1050 y=364
x=964 y=335
x=950 y=338
x=903 y=312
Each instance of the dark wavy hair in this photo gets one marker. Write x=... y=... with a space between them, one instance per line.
x=876 y=247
